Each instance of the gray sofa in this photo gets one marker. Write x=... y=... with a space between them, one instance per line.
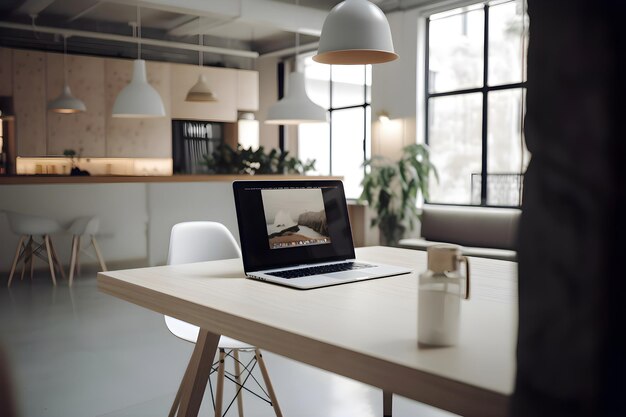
x=481 y=231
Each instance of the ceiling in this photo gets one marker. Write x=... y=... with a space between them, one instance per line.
x=261 y=26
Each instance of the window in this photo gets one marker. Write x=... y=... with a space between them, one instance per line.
x=341 y=146
x=475 y=94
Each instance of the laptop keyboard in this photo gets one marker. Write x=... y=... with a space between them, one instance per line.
x=317 y=270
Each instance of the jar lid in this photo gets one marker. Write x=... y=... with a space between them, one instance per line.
x=443 y=258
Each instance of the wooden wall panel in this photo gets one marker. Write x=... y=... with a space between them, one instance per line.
x=83 y=132
x=223 y=83
x=149 y=138
x=29 y=99
x=6 y=72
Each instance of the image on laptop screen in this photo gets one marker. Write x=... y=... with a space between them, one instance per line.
x=295 y=217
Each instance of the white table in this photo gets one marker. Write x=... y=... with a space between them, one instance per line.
x=366 y=331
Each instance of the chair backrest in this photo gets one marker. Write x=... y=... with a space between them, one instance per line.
x=200 y=242
x=27 y=224
x=85 y=226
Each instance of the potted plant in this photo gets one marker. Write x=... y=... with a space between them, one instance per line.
x=226 y=160
x=392 y=189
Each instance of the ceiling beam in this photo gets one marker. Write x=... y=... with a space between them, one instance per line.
x=130 y=39
x=226 y=8
x=88 y=9
x=283 y=16
x=34 y=7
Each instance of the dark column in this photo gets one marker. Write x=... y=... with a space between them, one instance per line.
x=571 y=348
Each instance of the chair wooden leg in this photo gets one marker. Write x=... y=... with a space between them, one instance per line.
x=197 y=374
x=28 y=256
x=268 y=383
x=31 y=263
x=78 y=256
x=57 y=263
x=72 y=261
x=46 y=240
x=219 y=389
x=238 y=379
x=103 y=266
x=16 y=259
x=387 y=403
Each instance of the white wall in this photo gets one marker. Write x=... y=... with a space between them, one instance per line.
x=171 y=203
x=121 y=208
x=394 y=89
x=268 y=94
x=135 y=219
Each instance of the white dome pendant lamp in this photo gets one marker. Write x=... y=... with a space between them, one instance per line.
x=355 y=32
x=66 y=103
x=200 y=92
x=138 y=99
x=295 y=107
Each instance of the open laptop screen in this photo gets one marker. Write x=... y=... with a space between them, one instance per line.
x=288 y=223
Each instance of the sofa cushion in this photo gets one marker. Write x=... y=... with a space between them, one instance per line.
x=485 y=227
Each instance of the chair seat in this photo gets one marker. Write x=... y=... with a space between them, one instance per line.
x=189 y=332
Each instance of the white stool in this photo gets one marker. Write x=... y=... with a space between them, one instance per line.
x=88 y=227
x=29 y=227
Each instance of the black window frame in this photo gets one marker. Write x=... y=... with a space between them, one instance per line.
x=367 y=104
x=485 y=89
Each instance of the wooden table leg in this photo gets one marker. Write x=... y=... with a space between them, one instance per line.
x=387 y=403
x=197 y=374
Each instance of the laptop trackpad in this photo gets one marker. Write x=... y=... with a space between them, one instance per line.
x=348 y=275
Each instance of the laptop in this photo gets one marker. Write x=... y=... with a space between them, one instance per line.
x=297 y=234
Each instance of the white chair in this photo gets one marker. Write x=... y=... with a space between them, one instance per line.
x=209 y=241
x=84 y=227
x=29 y=228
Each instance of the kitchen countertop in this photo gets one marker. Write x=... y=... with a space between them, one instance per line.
x=102 y=179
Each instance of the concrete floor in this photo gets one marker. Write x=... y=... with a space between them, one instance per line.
x=79 y=353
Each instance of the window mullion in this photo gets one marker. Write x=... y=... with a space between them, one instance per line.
x=483 y=177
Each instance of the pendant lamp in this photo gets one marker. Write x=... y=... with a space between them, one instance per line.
x=66 y=103
x=200 y=90
x=295 y=107
x=138 y=98
x=355 y=32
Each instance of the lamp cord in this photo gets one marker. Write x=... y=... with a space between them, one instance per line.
x=64 y=60
x=297 y=41
x=201 y=43
x=138 y=32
